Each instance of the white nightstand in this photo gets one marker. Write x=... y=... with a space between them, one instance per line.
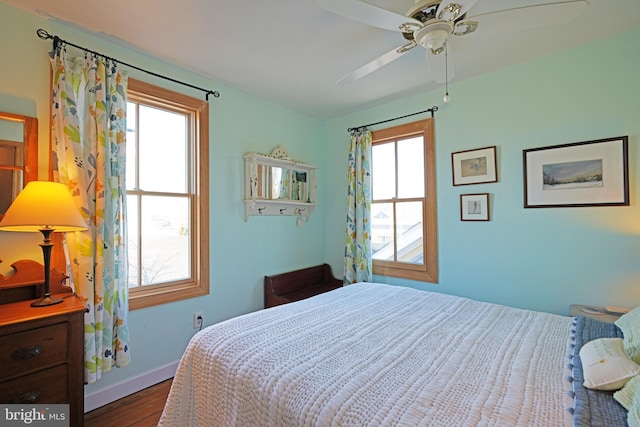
x=587 y=311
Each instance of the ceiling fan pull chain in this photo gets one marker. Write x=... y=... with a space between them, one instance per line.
x=446 y=74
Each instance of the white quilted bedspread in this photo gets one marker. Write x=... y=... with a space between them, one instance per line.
x=376 y=355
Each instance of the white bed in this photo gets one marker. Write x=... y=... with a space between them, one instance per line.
x=374 y=354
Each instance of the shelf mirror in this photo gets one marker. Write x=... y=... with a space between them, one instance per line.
x=276 y=183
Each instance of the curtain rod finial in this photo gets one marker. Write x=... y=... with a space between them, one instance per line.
x=43 y=34
x=215 y=94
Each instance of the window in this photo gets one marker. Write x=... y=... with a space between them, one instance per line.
x=403 y=208
x=167 y=195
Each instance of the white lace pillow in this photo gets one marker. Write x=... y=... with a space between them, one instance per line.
x=605 y=365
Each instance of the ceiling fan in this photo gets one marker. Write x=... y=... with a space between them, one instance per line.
x=433 y=24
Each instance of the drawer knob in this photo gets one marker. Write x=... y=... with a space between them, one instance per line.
x=30 y=397
x=26 y=352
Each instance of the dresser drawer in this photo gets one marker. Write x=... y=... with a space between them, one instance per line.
x=23 y=352
x=48 y=386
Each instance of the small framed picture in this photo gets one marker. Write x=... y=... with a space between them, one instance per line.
x=301 y=176
x=474 y=166
x=474 y=207
x=590 y=173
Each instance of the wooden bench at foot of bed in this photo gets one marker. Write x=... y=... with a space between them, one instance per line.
x=300 y=284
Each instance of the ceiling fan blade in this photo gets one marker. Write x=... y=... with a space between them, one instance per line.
x=528 y=17
x=441 y=65
x=366 y=13
x=379 y=62
x=453 y=9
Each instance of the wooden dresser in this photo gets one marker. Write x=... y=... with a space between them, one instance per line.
x=41 y=354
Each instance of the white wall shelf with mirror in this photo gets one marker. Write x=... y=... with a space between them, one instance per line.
x=277 y=185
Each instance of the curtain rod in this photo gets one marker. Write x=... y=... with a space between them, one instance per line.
x=430 y=110
x=57 y=42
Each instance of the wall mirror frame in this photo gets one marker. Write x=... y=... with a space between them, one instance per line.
x=277 y=185
x=19 y=163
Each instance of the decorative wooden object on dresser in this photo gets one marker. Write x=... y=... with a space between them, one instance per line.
x=41 y=348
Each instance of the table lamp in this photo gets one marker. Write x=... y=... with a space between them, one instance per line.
x=46 y=207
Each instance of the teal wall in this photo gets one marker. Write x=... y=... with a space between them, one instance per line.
x=541 y=259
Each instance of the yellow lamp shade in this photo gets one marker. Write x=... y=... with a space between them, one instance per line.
x=43 y=204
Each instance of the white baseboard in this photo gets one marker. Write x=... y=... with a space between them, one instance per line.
x=125 y=388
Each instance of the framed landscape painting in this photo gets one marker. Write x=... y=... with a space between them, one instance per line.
x=474 y=166
x=590 y=173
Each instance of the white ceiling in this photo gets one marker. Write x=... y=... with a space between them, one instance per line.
x=292 y=52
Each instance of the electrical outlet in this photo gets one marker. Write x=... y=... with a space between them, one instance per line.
x=198 y=320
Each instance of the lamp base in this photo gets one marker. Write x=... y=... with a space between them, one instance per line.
x=47 y=300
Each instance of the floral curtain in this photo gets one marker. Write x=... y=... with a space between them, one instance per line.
x=357 y=253
x=88 y=151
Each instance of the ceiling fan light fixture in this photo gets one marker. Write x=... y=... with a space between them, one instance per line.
x=433 y=36
x=435 y=39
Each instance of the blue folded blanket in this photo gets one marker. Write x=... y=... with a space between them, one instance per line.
x=593 y=407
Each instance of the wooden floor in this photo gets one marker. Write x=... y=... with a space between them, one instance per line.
x=141 y=409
